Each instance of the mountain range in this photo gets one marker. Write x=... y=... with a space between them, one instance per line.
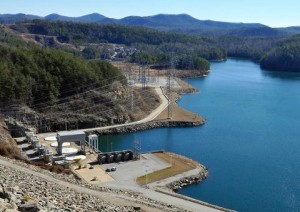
x=181 y=23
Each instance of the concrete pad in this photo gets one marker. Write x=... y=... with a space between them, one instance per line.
x=50 y=138
x=76 y=157
x=94 y=176
x=127 y=172
x=55 y=144
x=69 y=150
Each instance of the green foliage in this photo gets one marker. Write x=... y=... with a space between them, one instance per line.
x=187 y=62
x=26 y=198
x=151 y=42
x=285 y=58
x=35 y=75
x=9 y=38
x=155 y=47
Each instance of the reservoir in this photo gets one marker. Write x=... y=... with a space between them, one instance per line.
x=250 y=143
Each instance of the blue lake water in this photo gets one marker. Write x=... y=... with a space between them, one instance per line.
x=250 y=144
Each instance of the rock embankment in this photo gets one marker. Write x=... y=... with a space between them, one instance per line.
x=24 y=192
x=179 y=184
x=20 y=190
x=148 y=126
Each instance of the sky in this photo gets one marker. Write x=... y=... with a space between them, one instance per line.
x=274 y=13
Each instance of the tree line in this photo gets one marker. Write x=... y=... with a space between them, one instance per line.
x=156 y=46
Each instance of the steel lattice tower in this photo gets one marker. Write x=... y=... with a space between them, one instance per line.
x=131 y=91
x=144 y=78
x=170 y=84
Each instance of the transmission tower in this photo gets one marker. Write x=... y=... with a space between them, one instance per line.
x=170 y=82
x=144 y=78
x=130 y=84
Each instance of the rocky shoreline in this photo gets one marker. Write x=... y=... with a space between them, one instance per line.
x=186 y=181
x=177 y=182
x=147 y=126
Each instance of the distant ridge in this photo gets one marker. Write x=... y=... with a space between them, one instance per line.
x=13 y=18
x=91 y=18
x=181 y=23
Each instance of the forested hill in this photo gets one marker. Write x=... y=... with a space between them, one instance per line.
x=79 y=33
x=285 y=58
x=154 y=47
x=33 y=75
x=58 y=90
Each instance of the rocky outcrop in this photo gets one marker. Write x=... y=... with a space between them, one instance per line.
x=147 y=126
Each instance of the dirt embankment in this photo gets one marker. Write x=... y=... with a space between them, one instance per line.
x=191 y=73
x=95 y=108
x=148 y=126
x=7 y=144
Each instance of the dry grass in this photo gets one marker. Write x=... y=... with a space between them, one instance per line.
x=145 y=101
x=52 y=168
x=185 y=87
x=7 y=144
x=178 y=165
x=10 y=150
x=181 y=115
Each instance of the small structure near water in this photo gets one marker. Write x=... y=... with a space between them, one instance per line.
x=115 y=157
x=70 y=136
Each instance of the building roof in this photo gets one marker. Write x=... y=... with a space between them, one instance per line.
x=70 y=133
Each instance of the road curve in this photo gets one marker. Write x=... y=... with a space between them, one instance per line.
x=150 y=117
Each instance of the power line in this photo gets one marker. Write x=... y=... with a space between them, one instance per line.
x=76 y=93
x=105 y=111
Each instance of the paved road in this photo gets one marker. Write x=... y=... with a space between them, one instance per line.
x=117 y=198
x=150 y=117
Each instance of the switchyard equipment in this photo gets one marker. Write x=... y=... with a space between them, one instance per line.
x=48 y=156
x=32 y=139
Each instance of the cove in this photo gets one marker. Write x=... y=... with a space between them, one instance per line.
x=250 y=143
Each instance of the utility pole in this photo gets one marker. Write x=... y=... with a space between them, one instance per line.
x=146 y=178
x=137 y=149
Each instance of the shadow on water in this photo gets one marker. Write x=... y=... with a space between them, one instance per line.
x=281 y=75
x=109 y=143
